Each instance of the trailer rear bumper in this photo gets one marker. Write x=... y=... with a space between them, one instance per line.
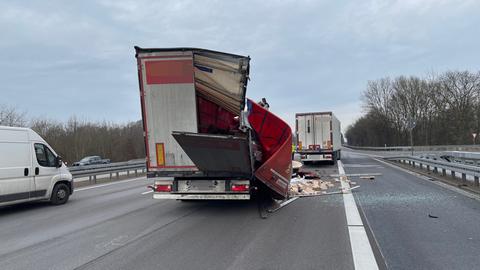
x=317 y=156
x=170 y=196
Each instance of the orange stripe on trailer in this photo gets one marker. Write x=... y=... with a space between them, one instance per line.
x=160 y=154
x=169 y=71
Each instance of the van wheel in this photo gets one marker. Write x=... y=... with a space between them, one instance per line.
x=60 y=194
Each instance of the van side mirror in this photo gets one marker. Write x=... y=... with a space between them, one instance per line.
x=58 y=161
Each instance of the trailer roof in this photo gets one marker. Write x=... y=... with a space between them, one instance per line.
x=151 y=50
x=313 y=113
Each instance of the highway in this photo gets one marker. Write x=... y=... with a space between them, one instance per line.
x=119 y=226
x=417 y=223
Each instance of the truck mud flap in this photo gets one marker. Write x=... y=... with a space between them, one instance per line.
x=275 y=137
x=216 y=153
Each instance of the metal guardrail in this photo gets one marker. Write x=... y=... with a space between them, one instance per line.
x=454 y=168
x=92 y=171
x=375 y=148
x=418 y=148
x=469 y=158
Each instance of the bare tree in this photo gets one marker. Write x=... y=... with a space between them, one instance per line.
x=445 y=107
x=9 y=116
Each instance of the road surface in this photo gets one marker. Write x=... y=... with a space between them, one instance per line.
x=119 y=226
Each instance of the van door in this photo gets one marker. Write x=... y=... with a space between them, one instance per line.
x=16 y=176
x=44 y=170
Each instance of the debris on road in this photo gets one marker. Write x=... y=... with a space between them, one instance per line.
x=296 y=165
x=369 y=177
x=432 y=216
x=301 y=186
x=283 y=204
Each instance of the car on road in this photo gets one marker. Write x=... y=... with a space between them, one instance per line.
x=30 y=170
x=91 y=160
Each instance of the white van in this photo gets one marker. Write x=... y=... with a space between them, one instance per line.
x=30 y=170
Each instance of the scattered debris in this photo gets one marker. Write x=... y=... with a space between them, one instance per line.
x=369 y=177
x=432 y=216
x=296 y=165
x=306 y=186
x=283 y=204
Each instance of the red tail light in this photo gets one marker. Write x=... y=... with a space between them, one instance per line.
x=163 y=188
x=240 y=188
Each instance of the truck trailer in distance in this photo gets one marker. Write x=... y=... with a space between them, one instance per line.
x=204 y=140
x=318 y=136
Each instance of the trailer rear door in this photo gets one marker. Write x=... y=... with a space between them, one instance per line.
x=322 y=131
x=217 y=153
x=171 y=83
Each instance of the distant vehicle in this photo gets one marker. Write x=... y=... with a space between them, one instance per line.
x=318 y=136
x=30 y=170
x=91 y=160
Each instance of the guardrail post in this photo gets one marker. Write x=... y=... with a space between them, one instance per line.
x=453 y=174
x=89 y=178
x=118 y=176
x=136 y=173
x=464 y=178
x=428 y=167
x=128 y=173
x=444 y=172
x=413 y=163
x=110 y=176
x=475 y=178
x=95 y=179
x=435 y=169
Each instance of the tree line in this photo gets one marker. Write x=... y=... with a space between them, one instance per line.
x=441 y=109
x=75 y=139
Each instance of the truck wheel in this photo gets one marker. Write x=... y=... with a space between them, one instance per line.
x=339 y=155
x=60 y=194
x=334 y=158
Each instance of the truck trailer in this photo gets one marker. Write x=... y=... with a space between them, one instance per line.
x=204 y=139
x=318 y=136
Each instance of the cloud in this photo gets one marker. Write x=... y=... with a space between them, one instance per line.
x=77 y=57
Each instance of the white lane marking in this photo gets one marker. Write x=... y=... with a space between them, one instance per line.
x=361 y=166
x=363 y=154
x=362 y=252
x=110 y=184
x=146 y=192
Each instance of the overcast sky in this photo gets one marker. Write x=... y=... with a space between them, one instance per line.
x=64 y=58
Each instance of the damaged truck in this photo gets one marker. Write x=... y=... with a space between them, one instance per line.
x=204 y=139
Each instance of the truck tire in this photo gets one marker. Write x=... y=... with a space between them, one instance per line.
x=60 y=194
x=334 y=158
x=339 y=155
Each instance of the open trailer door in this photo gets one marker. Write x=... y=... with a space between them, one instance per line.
x=217 y=154
x=275 y=137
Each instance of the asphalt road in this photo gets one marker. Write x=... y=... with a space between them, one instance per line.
x=117 y=227
x=397 y=206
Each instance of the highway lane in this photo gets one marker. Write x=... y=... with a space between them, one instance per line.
x=397 y=206
x=118 y=227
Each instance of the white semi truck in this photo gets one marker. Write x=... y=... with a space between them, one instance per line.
x=204 y=139
x=318 y=136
